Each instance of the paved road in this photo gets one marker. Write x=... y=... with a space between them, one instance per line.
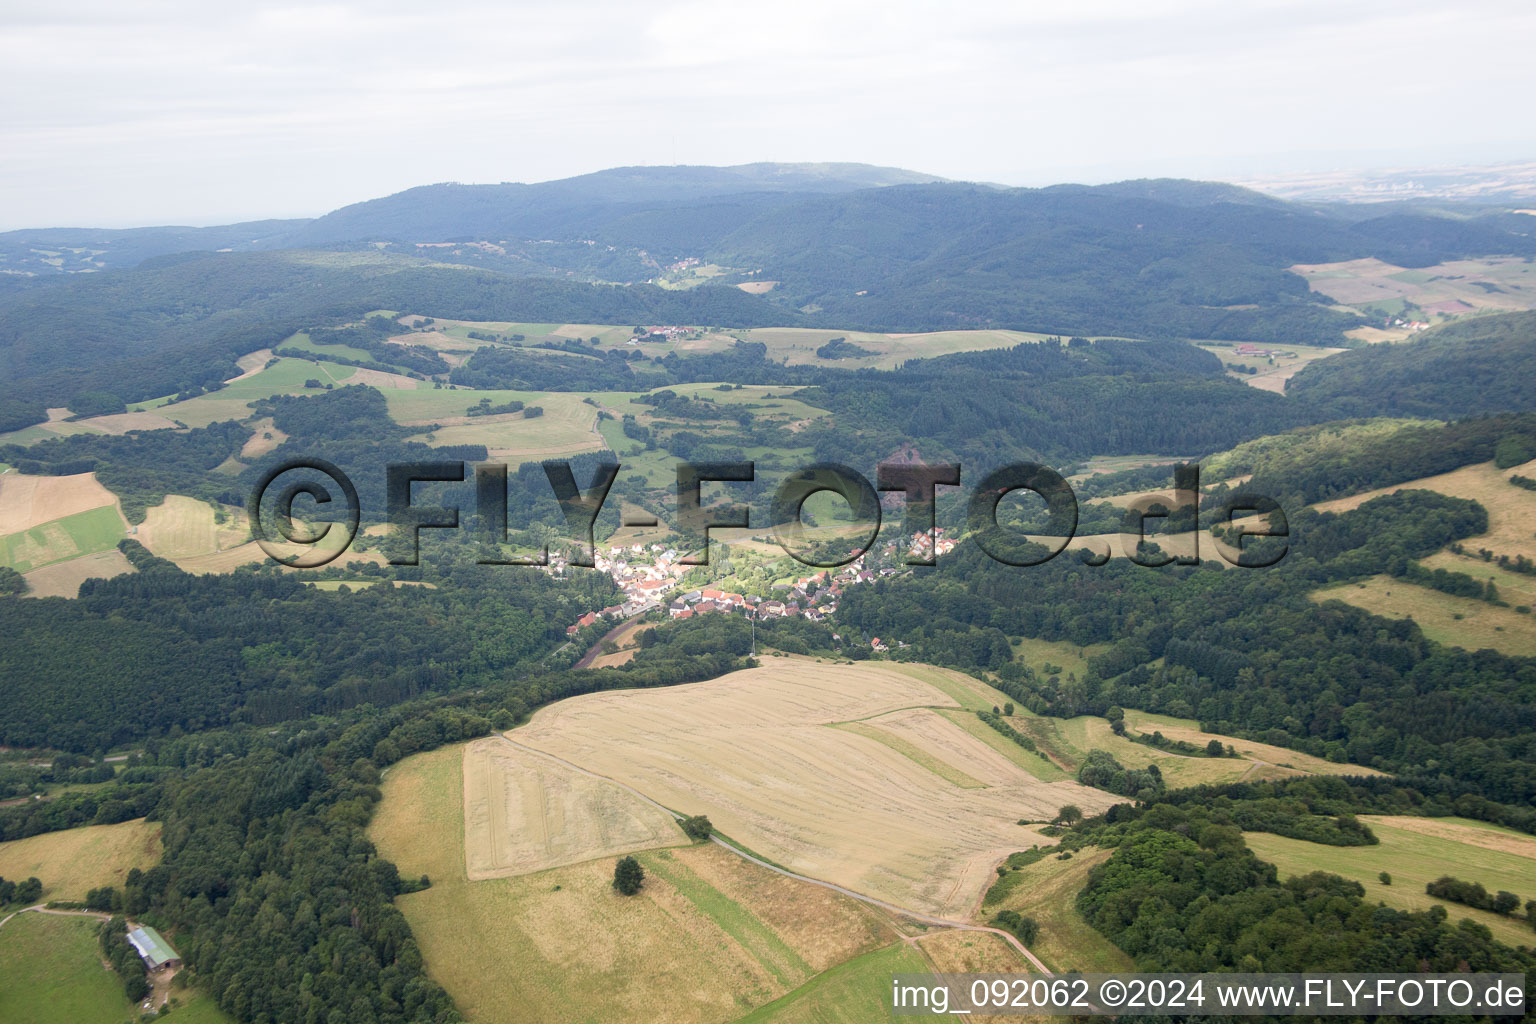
x=927 y=919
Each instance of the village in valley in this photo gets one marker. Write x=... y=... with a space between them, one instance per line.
x=652 y=578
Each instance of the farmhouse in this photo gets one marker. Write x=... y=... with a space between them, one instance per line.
x=156 y=953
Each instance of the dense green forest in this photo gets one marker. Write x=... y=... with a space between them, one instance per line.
x=1182 y=892
x=1163 y=259
x=159 y=649
x=1464 y=368
x=141 y=469
x=179 y=321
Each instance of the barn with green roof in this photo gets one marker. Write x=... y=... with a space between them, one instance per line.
x=153 y=949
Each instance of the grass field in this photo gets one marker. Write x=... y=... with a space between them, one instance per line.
x=793 y=344
x=1065 y=742
x=1047 y=891
x=855 y=992
x=51 y=972
x=1069 y=659
x=76 y=860
x=708 y=938
x=301 y=342
x=122 y=423
x=1444 y=618
x=182 y=529
x=798 y=345
x=1511 y=509
x=1265 y=754
x=1077 y=736
x=83 y=533
x=1288 y=361
x=1036 y=764
x=1416 y=851
x=1514 y=588
x=751 y=750
x=568 y=426
x=233 y=402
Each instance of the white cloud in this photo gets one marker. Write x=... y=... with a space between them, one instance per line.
x=190 y=112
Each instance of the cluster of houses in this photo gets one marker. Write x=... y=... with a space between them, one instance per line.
x=669 y=332
x=927 y=545
x=1412 y=325
x=646 y=584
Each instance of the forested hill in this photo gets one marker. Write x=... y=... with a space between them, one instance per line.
x=1174 y=258
x=177 y=320
x=844 y=246
x=1469 y=368
x=609 y=204
x=551 y=209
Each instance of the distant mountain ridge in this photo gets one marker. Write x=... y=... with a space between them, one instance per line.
x=842 y=246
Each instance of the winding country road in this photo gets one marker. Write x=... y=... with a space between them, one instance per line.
x=926 y=919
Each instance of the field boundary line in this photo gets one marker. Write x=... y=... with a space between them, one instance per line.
x=920 y=918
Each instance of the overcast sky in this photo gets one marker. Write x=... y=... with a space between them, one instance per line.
x=126 y=112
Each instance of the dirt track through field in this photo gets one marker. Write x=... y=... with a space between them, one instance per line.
x=917 y=813
x=917 y=916
x=524 y=814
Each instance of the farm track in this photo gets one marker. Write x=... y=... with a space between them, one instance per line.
x=920 y=918
x=43 y=908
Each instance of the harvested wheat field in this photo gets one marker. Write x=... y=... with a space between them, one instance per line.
x=561 y=946
x=121 y=423
x=382 y=379
x=525 y=812
x=63 y=579
x=28 y=501
x=905 y=822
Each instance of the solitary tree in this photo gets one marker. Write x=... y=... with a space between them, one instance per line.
x=1069 y=814
x=697 y=828
x=1386 y=879
x=1214 y=749
x=628 y=876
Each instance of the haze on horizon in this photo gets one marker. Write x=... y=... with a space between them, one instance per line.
x=170 y=111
